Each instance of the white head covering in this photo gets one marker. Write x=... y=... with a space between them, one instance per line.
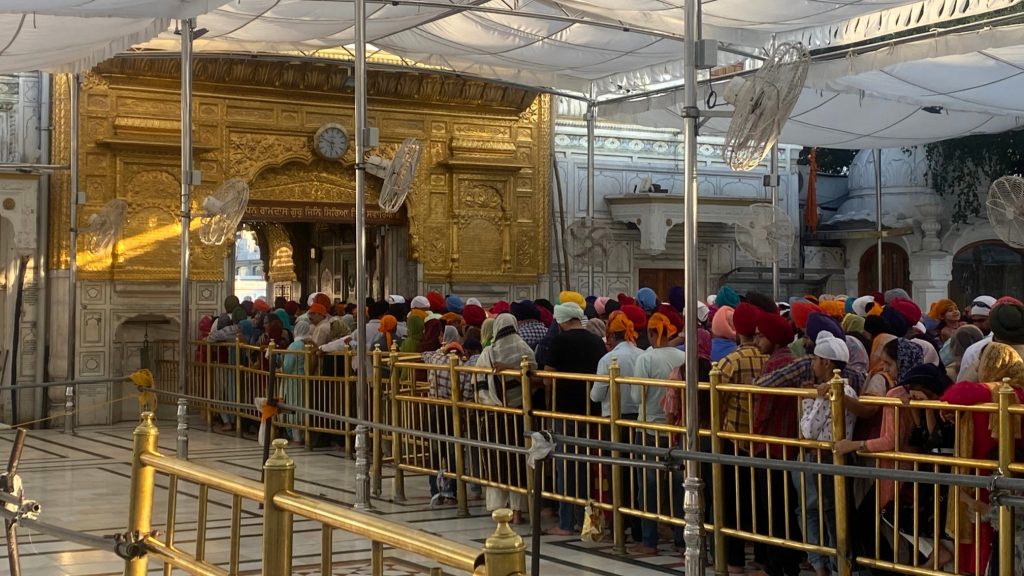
x=920 y=328
x=831 y=348
x=711 y=299
x=309 y=301
x=982 y=306
x=420 y=302
x=860 y=305
x=568 y=311
x=396 y=299
x=302 y=330
x=473 y=302
x=451 y=334
x=702 y=311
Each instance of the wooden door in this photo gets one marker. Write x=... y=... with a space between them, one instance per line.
x=660 y=280
x=895 y=269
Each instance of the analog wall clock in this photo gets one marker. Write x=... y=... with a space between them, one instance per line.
x=331 y=141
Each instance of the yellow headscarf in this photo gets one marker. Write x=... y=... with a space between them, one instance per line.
x=619 y=322
x=663 y=326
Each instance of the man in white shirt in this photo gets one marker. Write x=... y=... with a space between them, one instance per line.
x=978 y=313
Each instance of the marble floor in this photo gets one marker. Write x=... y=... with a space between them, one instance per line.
x=82 y=483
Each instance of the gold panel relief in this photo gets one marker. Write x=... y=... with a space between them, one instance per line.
x=255 y=120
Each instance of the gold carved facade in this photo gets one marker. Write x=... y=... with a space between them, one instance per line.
x=477 y=211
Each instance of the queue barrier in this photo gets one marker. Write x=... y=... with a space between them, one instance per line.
x=503 y=553
x=744 y=504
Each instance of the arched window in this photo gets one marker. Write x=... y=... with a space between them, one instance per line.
x=991 y=268
x=895 y=269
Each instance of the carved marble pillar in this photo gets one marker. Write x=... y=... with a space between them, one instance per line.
x=930 y=273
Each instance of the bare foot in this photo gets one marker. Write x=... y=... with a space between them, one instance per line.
x=517 y=517
x=556 y=531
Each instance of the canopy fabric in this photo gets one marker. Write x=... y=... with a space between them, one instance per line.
x=609 y=46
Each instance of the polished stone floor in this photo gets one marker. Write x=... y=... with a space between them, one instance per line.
x=82 y=482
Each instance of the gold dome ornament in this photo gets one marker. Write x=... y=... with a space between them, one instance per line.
x=331 y=141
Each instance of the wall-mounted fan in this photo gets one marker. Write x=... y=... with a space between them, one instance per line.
x=766 y=234
x=397 y=173
x=222 y=211
x=104 y=227
x=763 y=103
x=1005 y=207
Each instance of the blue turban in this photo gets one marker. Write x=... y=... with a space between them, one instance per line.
x=647 y=299
x=818 y=322
x=454 y=304
x=677 y=298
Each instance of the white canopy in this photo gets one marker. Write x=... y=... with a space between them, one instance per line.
x=575 y=45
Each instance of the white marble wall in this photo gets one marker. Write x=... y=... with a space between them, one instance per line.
x=624 y=156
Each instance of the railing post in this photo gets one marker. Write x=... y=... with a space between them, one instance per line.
x=717 y=475
x=524 y=383
x=209 y=387
x=375 y=410
x=1006 y=452
x=398 y=484
x=140 y=508
x=615 y=413
x=346 y=404
x=182 y=452
x=69 y=409
x=460 y=463
x=238 y=385
x=279 y=474
x=504 y=551
x=837 y=395
x=308 y=349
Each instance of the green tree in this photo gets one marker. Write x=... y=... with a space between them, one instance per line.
x=957 y=168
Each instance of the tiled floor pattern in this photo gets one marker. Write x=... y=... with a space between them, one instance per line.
x=82 y=482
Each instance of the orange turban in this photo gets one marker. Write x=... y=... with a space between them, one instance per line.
x=388 y=324
x=660 y=323
x=721 y=324
x=833 y=308
x=418 y=312
x=619 y=322
x=451 y=318
x=939 y=308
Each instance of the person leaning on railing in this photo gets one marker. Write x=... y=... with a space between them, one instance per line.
x=505 y=353
x=829 y=354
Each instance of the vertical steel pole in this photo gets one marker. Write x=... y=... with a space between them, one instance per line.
x=692 y=504
x=187 y=27
x=591 y=139
x=775 y=181
x=73 y=238
x=362 y=392
x=40 y=398
x=878 y=213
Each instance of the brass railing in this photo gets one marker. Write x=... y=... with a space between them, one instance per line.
x=405 y=396
x=503 y=554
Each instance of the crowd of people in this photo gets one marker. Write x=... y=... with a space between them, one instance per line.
x=882 y=344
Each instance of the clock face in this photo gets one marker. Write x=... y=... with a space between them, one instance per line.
x=331 y=141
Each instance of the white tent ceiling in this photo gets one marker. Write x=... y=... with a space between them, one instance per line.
x=571 y=45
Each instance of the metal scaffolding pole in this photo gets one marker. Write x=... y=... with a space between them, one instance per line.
x=187 y=29
x=878 y=214
x=692 y=504
x=774 y=187
x=362 y=500
x=73 y=238
x=591 y=137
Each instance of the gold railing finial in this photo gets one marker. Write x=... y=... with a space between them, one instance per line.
x=147 y=424
x=280 y=458
x=504 y=551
